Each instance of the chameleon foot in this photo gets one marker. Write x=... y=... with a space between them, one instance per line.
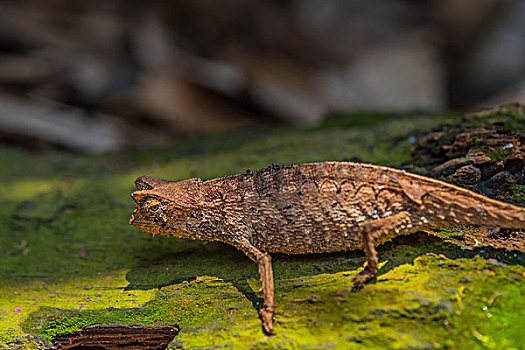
x=267 y=320
x=361 y=278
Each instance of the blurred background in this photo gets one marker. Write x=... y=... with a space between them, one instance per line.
x=99 y=76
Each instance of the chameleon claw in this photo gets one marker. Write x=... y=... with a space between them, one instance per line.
x=361 y=278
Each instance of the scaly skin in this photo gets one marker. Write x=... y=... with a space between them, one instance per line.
x=310 y=208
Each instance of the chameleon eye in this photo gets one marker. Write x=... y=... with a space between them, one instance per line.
x=154 y=207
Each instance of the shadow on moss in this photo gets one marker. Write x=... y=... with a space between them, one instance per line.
x=193 y=301
x=161 y=268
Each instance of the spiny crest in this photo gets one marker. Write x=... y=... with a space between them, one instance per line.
x=149 y=182
x=183 y=193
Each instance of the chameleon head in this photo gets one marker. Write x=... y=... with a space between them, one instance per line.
x=165 y=207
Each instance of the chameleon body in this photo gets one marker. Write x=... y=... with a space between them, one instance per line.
x=310 y=208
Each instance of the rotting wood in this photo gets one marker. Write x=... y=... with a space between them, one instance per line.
x=113 y=337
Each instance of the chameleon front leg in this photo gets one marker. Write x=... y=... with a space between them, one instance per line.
x=264 y=262
x=377 y=231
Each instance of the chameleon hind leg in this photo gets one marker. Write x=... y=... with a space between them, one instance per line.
x=264 y=263
x=375 y=232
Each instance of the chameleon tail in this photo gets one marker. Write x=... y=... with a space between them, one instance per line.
x=458 y=205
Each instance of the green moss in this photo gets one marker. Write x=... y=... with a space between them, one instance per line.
x=518 y=189
x=415 y=303
x=510 y=116
x=187 y=304
x=346 y=120
x=500 y=154
x=434 y=303
x=518 y=194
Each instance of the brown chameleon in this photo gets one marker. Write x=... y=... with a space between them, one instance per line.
x=310 y=208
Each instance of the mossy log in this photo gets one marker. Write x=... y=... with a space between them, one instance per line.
x=70 y=260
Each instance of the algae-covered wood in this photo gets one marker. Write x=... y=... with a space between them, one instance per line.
x=69 y=258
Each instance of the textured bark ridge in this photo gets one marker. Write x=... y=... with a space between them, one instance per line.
x=483 y=151
x=310 y=208
x=117 y=337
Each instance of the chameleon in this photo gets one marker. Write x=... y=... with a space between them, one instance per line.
x=310 y=208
